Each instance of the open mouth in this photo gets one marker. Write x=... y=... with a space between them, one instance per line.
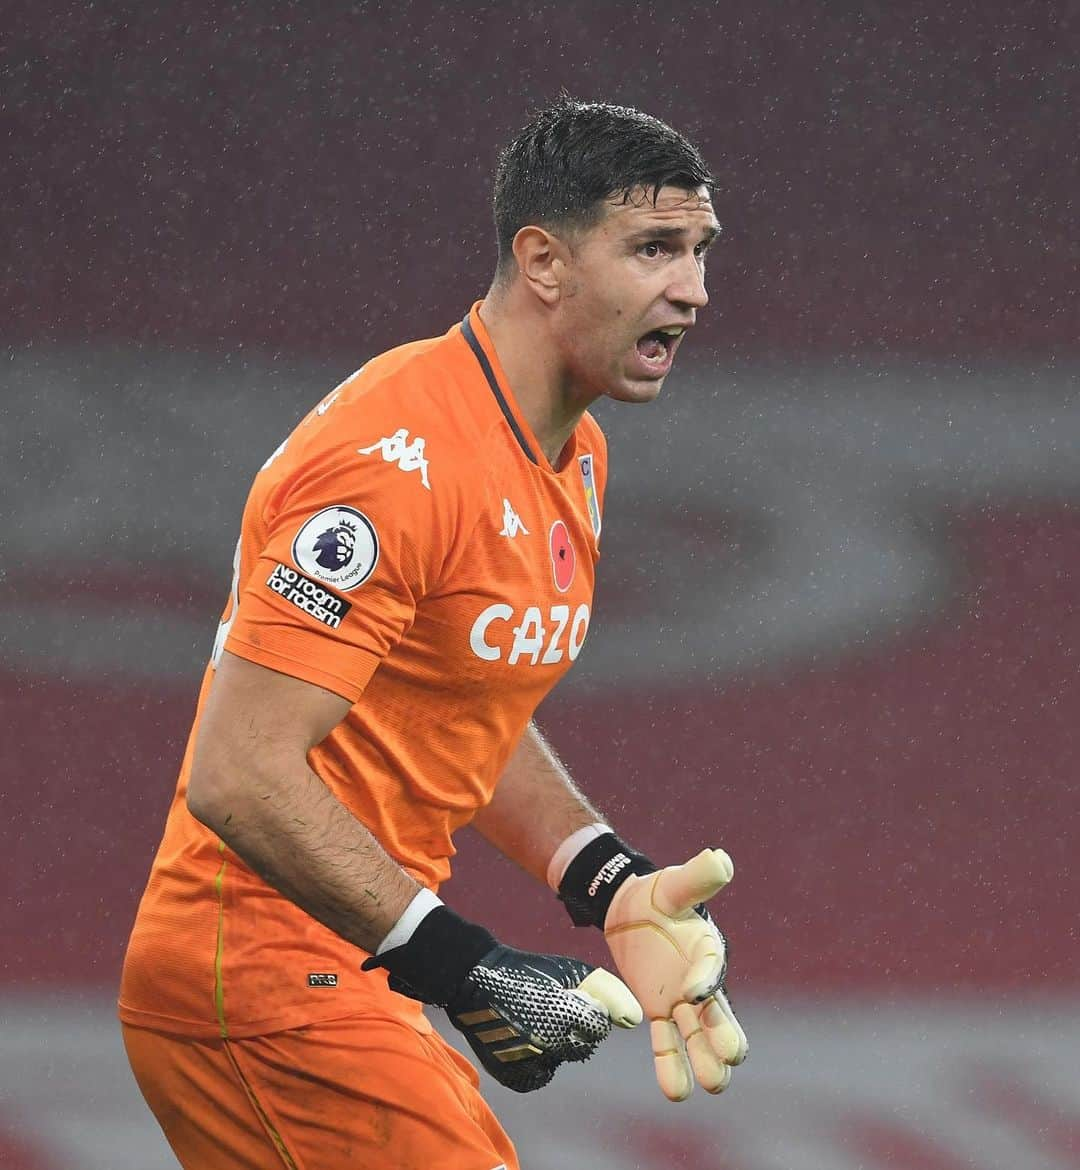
x=658 y=346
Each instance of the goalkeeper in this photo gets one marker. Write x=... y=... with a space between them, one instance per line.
x=414 y=573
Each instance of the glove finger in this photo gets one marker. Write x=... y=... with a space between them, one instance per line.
x=680 y=888
x=706 y=967
x=711 y=1072
x=611 y=996
x=724 y=1032
x=672 y=1068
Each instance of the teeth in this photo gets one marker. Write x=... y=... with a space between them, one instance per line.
x=672 y=330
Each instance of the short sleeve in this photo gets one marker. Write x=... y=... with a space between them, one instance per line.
x=342 y=549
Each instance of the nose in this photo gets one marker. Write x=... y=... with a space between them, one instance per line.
x=688 y=285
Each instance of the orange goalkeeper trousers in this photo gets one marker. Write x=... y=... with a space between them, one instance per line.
x=346 y=1094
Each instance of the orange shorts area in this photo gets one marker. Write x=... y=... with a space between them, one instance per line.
x=338 y=1095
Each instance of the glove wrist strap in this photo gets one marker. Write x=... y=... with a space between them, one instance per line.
x=569 y=849
x=417 y=910
x=440 y=953
x=591 y=879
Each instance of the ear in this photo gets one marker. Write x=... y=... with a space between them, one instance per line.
x=542 y=262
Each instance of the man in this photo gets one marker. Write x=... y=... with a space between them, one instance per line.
x=414 y=573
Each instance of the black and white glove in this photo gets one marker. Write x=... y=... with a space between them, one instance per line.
x=523 y=1014
x=668 y=950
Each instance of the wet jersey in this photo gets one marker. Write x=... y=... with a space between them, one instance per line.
x=409 y=548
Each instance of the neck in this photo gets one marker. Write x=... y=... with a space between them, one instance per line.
x=518 y=328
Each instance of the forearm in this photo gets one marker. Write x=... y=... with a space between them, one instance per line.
x=535 y=808
x=298 y=837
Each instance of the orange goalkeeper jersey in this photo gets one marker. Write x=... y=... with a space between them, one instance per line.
x=409 y=548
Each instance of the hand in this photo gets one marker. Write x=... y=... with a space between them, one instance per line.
x=674 y=960
x=523 y=1014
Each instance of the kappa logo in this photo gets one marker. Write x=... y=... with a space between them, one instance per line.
x=334 y=394
x=396 y=448
x=512 y=525
x=327 y=402
x=280 y=450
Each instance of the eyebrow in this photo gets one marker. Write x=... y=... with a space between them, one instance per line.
x=672 y=232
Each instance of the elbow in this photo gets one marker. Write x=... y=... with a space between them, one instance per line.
x=211 y=795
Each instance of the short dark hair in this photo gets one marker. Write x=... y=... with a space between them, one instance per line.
x=575 y=155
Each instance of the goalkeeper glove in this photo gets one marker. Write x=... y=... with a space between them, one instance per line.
x=523 y=1014
x=668 y=950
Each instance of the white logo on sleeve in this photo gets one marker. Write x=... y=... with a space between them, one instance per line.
x=339 y=546
x=332 y=397
x=397 y=449
x=327 y=402
x=280 y=451
x=512 y=525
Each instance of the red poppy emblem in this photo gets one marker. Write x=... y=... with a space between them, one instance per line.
x=563 y=560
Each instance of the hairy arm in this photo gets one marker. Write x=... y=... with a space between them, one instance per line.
x=535 y=808
x=250 y=784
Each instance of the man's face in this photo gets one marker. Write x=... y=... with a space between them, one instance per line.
x=634 y=284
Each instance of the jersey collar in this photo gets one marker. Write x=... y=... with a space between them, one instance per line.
x=479 y=340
